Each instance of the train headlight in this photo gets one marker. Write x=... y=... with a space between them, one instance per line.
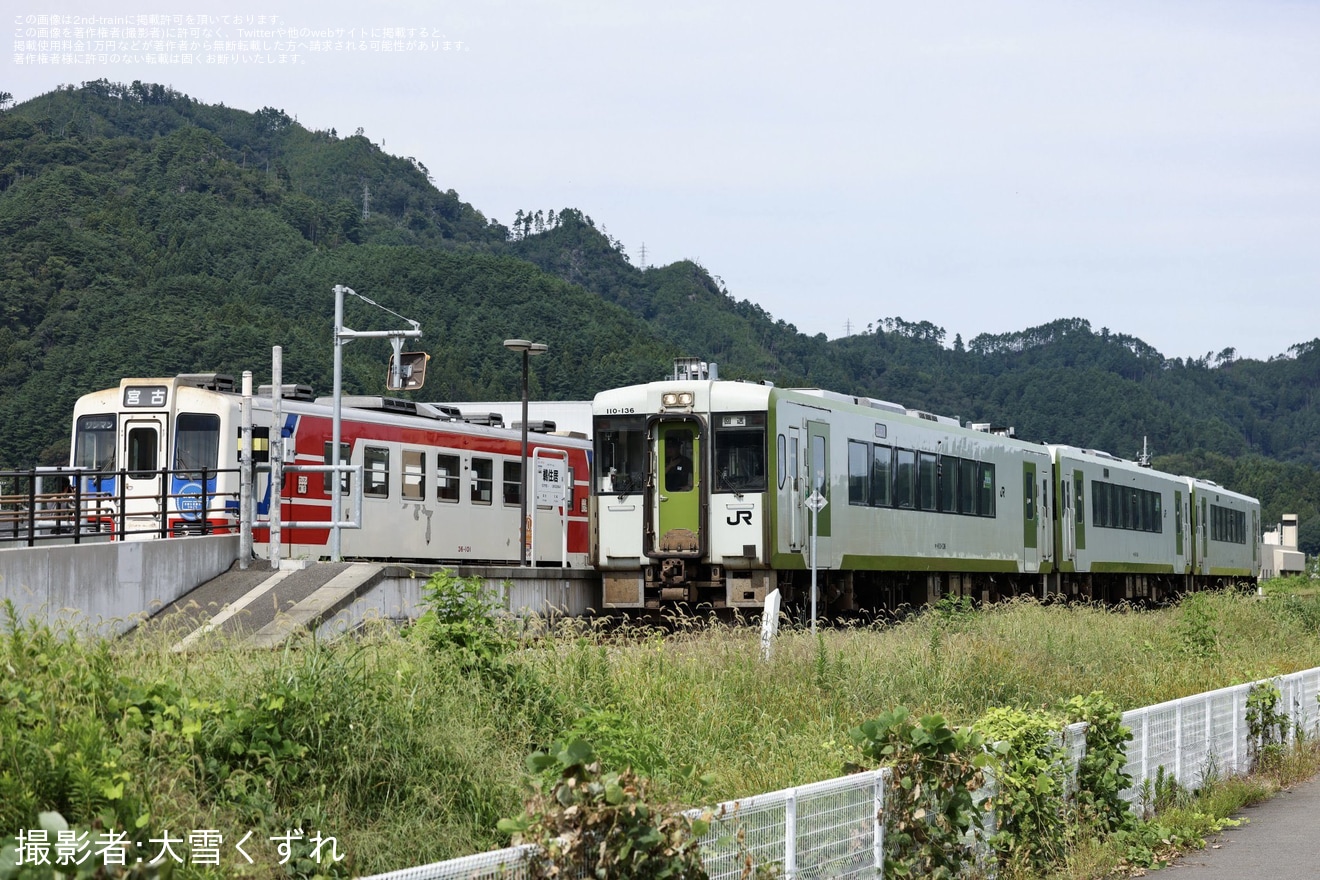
x=676 y=398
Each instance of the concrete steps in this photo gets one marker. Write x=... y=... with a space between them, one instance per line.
x=261 y=608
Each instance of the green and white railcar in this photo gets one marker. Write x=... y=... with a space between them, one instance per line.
x=1226 y=541
x=1123 y=530
x=915 y=506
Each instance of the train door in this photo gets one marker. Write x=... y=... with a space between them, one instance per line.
x=678 y=501
x=1031 y=518
x=1203 y=538
x=797 y=499
x=145 y=440
x=1179 y=533
x=1079 y=509
x=1046 y=521
x=1254 y=538
x=1067 y=518
x=380 y=498
x=818 y=481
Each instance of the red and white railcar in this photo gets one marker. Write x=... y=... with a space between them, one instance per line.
x=435 y=488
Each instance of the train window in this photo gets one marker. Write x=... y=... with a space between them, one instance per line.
x=513 y=482
x=781 y=457
x=1099 y=504
x=345 y=454
x=414 y=475
x=196 y=443
x=483 y=479
x=820 y=475
x=985 y=479
x=142 y=452
x=679 y=459
x=967 y=486
x=858 y=472
x=1079 y=493
x=927 y=486
x=446 y=477
x=376 y=472
x=620 y=459
x=793 y=458
x=881 y=475
x=1228 y=525
x=739 y=452
x=948 y=476
x=1029 y=494
x=905 y=467
x=1118 y=507
x=94 y=447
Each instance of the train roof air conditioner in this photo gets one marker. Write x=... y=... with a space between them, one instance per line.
x=941 y=420
x=288 y=392
x=491 y=420
x=209 y=381
x=991 y=428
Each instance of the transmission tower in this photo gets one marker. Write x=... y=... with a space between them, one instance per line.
x=643 y=266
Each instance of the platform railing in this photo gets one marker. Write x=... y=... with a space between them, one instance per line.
x=56 y=505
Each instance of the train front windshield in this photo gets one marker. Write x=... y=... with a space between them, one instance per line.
x=196 y=442
x=620 y=459
x=739 y=452
x=94 y=443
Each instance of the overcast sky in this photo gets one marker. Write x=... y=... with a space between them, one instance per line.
x=1151 y=166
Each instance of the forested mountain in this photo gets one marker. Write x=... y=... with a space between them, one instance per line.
x=145 y=233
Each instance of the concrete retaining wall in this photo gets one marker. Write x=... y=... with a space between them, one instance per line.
x=108 y=586
x=522 y=592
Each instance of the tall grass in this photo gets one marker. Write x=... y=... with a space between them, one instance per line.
x=408 y=753
x=705 y=697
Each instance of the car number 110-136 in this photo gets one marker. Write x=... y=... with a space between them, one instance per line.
x=620 y=411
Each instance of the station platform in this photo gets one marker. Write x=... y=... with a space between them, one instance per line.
x=262 y=608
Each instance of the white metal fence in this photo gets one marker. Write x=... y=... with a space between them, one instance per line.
x=832 y=828
x=1207 y=733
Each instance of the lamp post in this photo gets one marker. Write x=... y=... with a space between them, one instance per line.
x=528 y=349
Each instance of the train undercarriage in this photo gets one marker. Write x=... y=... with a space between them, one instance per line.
x=696 y=585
